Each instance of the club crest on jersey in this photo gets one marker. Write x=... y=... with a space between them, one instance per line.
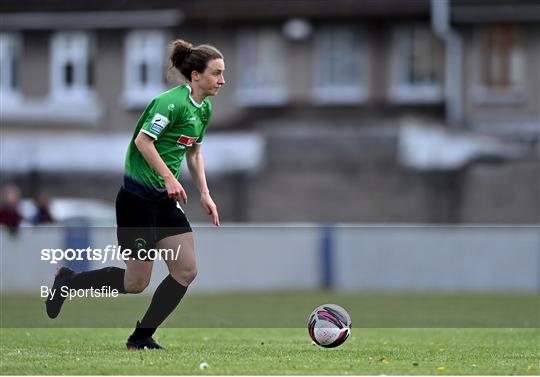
x=186 y=141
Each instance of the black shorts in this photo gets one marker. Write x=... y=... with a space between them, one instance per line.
x=142 y=223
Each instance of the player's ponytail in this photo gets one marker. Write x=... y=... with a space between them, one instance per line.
x=186 y=58
x=180 y=50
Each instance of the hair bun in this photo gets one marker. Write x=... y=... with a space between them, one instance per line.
x=181 y=50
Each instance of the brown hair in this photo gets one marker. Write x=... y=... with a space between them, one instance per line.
x=186 y=58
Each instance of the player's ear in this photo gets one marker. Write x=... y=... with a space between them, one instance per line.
x=195 y=75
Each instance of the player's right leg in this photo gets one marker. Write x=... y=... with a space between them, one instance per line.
x=65 y=277
x=134 y=217
x=133 y=279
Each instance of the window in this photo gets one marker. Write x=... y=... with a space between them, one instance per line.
x=71 y=66
x=417 y=65
x=70 y=75
x=501 y=66
x=144 y=67
x=10 y=56
x=340 y=63
x=262 y=68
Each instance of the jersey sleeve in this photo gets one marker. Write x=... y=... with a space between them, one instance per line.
x=160 y=115
x=208 y=115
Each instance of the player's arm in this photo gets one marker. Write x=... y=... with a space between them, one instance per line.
x=195 y=163
x=145 y=144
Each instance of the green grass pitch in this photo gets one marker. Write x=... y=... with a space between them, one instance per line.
x=246 y=335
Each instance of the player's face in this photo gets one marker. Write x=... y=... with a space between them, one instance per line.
x=211 y=80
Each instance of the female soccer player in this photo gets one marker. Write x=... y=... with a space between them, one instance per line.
x=147 y=211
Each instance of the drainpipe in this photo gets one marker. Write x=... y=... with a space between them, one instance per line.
x=453 y=72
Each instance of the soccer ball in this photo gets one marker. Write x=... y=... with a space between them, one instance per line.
x=329 y=325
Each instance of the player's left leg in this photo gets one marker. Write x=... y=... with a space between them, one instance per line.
x=183 y=269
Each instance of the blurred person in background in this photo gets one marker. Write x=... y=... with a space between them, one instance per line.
x=147 y=210
x=43 y=212
x=9 y=208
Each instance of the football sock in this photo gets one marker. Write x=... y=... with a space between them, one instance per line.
x=166 y=298
x=108 y=276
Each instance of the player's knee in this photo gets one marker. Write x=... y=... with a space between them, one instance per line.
x=137 y=285
x=192 y=274
x=186 y=275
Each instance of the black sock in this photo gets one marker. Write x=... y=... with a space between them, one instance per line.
x=108 y=276
x=165 y=300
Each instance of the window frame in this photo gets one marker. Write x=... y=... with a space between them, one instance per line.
x=144 y=46
x=329 y=91
x=80 y=54
x=11 y=44
x=248 y=72
x=401 y=90
x=483 y=94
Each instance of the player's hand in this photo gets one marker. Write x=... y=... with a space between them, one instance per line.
x=210 y=207
x=175 y=190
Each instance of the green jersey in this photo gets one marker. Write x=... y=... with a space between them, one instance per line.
x=176 y=122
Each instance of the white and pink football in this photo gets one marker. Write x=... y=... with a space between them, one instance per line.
x=329 y=325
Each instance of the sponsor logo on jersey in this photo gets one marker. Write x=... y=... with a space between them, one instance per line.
x=171 y=107
x=186 y=141
x=159 y=122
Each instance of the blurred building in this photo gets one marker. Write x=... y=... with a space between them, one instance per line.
x=354 y=111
